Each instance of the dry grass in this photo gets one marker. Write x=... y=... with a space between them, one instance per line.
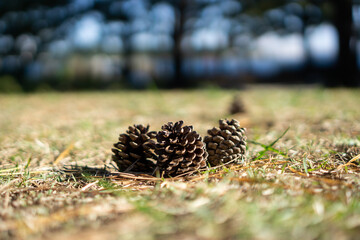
x=57 y=179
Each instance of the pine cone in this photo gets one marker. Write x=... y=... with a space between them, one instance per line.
x=226 y=143
x=180 y=149
x=135 y=150
x=346 y=152
x=237 y=106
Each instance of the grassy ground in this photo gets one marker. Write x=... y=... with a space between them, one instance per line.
x=57 y=179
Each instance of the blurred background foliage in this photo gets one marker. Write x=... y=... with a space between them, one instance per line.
x=104 y=44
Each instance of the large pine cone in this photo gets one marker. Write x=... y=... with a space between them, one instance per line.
x=226 y=143
x=135 y=150
x=180 y=149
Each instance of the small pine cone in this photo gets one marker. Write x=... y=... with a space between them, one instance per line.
x=226 y=143
x=135 y=150
x=346 y=152
x=180 y=149
x=237 y=106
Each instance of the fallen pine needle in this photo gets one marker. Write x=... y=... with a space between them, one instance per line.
x=22 y=173
x=9 y=169
x=348 y=163
x=89 y=185
x=297 y=172
x=64 y=153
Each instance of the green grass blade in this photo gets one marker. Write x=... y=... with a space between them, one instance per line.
x=270 y=146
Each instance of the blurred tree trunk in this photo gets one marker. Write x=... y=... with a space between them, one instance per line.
x=308 y=68
x=345 y=70
x=127 y=54
x=178 y=57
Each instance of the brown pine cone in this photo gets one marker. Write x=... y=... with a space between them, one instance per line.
x=180 y=149
x=135 y=150
x=226 y=143
x=237 y=106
